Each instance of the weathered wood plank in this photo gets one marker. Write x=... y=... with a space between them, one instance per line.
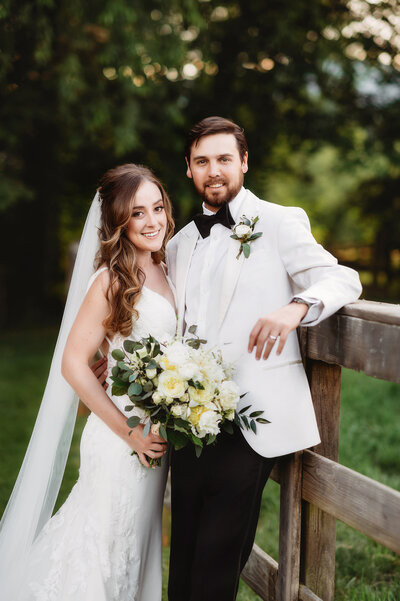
x=260 y=573
x=373 y=311
x=289 y=528
x=368 y=506
x=319 y=529
x=306 y=595
x=368 y=346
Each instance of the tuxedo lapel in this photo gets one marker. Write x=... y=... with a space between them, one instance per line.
x=231 y=274
x=184 y=256
x=233 y=265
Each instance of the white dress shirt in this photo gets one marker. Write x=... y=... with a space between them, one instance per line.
x=207 y=269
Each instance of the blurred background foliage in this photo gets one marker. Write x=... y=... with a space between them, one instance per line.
x=85 y=86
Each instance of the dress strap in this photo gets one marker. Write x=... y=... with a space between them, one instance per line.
x=94 y=276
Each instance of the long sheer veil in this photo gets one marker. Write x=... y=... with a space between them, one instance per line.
x=35 y=492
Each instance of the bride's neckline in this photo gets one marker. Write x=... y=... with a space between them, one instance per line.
x=161 y=296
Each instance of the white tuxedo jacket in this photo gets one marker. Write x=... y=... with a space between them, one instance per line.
x=285 y=261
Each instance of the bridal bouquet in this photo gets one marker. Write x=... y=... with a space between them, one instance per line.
x=185 y=390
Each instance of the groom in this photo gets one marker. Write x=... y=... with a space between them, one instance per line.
x=249 y=304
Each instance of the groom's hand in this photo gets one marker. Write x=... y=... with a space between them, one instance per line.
x=99 y=368
x=274 y=326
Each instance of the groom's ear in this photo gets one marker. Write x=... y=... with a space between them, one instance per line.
x=245 y=164
x=188 y=171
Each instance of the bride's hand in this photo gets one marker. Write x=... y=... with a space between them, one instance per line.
x=152 y=445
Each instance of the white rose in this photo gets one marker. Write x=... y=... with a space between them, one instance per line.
x=157 y=398
x=142 y=352
x=202 y=396
x=230 y=415
x=228 y=395
x=170 y=384
x=242 y=230
x=180 y=411
x=208 y=423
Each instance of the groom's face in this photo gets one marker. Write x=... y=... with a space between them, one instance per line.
x=216 y=169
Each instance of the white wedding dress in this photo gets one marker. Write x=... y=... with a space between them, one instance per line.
x=104 y=543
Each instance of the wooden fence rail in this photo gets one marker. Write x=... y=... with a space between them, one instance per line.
x=315 y=489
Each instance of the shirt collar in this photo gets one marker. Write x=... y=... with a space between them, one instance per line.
x=234 y=205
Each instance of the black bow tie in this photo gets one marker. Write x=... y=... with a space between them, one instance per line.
x=204 y=223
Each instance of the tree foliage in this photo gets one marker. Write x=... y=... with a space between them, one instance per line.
x=88 y=85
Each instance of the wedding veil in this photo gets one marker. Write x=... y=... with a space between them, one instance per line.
x=35 y=492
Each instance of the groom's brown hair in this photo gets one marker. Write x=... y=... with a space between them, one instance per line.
x=216 y=125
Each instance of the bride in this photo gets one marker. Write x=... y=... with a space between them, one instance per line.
x=104 y=544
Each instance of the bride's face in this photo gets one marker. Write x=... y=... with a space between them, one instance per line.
x=148 y=224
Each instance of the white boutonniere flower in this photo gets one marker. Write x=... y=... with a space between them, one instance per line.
x=244 y=233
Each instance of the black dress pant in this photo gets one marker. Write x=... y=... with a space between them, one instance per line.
x=215 y=507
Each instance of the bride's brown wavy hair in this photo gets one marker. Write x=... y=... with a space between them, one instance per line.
x=117 y=190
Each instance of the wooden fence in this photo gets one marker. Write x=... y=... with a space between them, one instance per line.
x=315 y=489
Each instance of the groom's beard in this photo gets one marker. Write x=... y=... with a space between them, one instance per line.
x=216 y=198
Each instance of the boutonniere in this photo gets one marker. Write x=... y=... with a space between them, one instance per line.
x=244 y=233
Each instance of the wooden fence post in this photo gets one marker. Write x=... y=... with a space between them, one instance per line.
x=290 y=472
x=319 y=528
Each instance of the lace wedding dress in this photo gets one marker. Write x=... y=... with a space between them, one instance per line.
x=104 y=544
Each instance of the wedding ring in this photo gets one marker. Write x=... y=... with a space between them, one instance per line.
x=273 y=337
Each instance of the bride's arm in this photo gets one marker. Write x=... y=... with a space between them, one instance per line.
x=86 y=336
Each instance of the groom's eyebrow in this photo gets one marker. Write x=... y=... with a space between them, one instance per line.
x=219 y=156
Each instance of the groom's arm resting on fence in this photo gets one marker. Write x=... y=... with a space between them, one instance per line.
x=274 y=326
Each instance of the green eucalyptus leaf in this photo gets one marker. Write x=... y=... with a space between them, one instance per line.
x=133 y=421
x=133 y=376
x=118 y=354
x=253 y=426
x=134 y=389
x=118 y=390
x=129 y=407
x=246 y=250
x=262 y=420
x=163 y=432
x=146 y=429
x=244 y=409
x=148 y=386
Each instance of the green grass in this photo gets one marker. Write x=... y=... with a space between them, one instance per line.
x=370 y=444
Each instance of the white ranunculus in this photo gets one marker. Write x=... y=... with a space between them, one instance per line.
x=189 y=370
x=177 y=354
x=228 y=395
x=208 y=423
x=170 y=384
x=242 y=230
